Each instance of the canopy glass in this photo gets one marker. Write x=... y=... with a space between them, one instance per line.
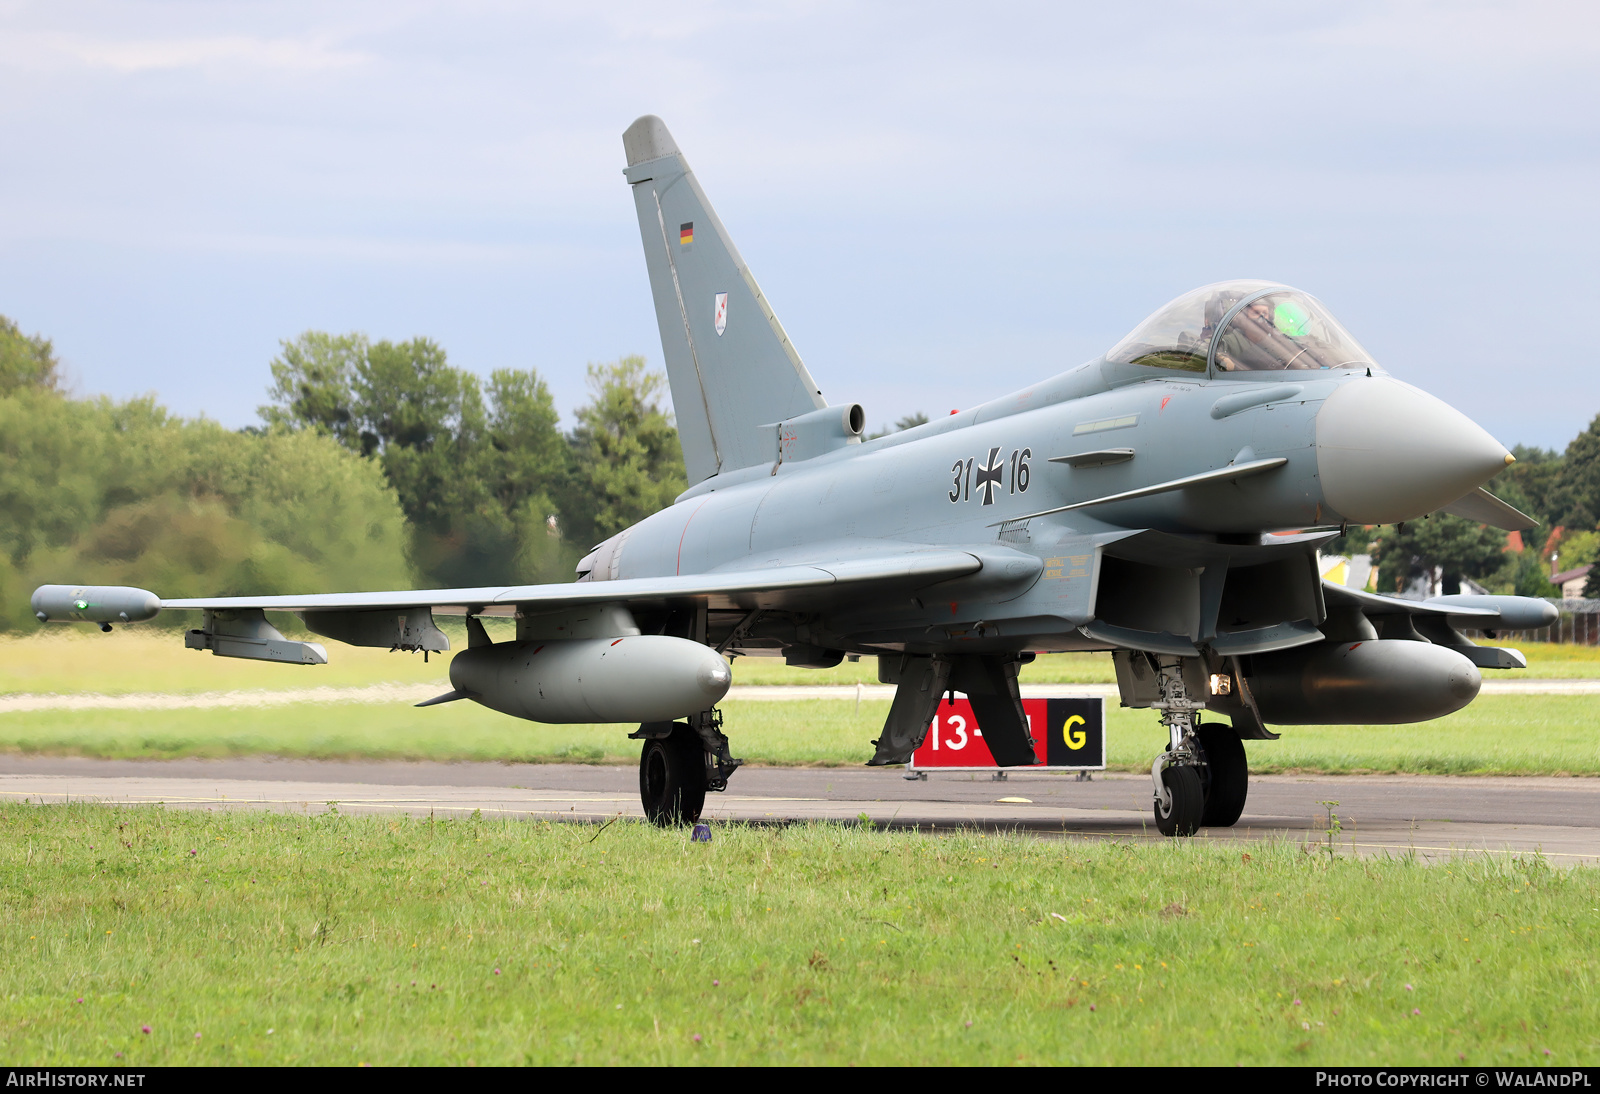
x=1241 y=326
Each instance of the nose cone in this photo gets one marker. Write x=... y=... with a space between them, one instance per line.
x=1387 y=452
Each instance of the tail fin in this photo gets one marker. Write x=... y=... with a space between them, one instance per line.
x=730 y=364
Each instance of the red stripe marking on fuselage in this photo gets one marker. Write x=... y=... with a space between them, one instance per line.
x=678 y=568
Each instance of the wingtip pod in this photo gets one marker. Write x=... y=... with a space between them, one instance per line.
x=647 y=139
x=93 y=604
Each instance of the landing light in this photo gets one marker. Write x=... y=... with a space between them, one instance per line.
x=1221 y=684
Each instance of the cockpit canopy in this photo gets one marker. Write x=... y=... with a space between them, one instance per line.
x=1241 y=326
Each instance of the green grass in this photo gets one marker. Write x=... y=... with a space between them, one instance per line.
x=242 y=938
x=1551 y=661
x=1497 y=734
x=131 y=660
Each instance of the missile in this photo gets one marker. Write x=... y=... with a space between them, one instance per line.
x=102 y=604
x=637 y=678
x=1362 y=683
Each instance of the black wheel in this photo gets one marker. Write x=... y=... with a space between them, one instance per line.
x=672 y=777
x=1227 y=779
x=1188 y=802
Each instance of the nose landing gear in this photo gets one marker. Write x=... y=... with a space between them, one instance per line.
x=1203 y=776
x=1179 y=791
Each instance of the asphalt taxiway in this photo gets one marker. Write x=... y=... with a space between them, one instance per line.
x=1433 y=816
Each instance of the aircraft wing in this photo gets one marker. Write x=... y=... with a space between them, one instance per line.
x=1375 y=604
x=1438 y=620
x=1481 y=612
x=748 y=588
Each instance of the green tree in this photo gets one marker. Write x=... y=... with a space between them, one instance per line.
x=528 y=466
x=26 y=361
x=1579 y=548
x=1530 y=576
x=1460 y=548
x=311 y=381
x=124 y=493
x=626 y=460
x=425 y=422
x=1529 y=483
x=1575 y=499
x=474 y=476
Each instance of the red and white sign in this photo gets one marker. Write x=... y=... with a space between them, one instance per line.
x=1068 y=735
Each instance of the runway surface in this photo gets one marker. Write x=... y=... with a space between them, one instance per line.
x=1433 y=816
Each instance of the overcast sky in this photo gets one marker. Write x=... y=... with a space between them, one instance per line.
x=942 y=202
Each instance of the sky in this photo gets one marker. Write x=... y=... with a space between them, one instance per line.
x=942 y=202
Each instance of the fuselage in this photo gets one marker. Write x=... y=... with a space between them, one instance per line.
x=974 y=478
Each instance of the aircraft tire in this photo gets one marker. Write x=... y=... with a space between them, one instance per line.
x=1228 y=778
x=672 y=778
x=1188 y=802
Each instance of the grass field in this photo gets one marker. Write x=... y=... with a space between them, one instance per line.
x=1543 y=734
x=1506 y=735
x=147 y=937
x=130 y=660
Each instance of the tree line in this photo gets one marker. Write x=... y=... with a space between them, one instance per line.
x=376 y=465
x=494 y=492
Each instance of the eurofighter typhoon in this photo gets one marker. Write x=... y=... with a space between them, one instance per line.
x=1164 y=502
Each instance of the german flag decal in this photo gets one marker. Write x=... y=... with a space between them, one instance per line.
x=686 y=234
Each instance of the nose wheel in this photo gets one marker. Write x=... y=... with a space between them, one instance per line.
x=1178 y=812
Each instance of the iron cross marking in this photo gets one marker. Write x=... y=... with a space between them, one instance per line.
x=989 y=476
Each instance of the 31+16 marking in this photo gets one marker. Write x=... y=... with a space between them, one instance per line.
x=991 y=476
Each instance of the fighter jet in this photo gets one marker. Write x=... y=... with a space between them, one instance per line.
x=1164 y=502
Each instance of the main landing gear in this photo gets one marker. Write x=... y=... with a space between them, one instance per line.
x=1203 y=776
x=679 y=763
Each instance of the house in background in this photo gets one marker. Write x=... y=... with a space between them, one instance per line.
x=1571 y=582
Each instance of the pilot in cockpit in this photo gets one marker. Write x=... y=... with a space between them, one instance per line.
x=1278 y=332
x=1248 y=343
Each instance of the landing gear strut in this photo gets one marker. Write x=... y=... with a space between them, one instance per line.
x=1203 y=776
x=679 y=763
x=1179 y=789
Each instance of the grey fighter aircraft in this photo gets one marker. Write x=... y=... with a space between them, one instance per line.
x=1164 y=502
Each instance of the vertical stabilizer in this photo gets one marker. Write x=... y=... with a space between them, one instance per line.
x=732 y=368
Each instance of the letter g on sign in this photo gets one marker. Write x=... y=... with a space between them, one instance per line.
x=1075 y=738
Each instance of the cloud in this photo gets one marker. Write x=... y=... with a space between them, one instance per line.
x=229 y=52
